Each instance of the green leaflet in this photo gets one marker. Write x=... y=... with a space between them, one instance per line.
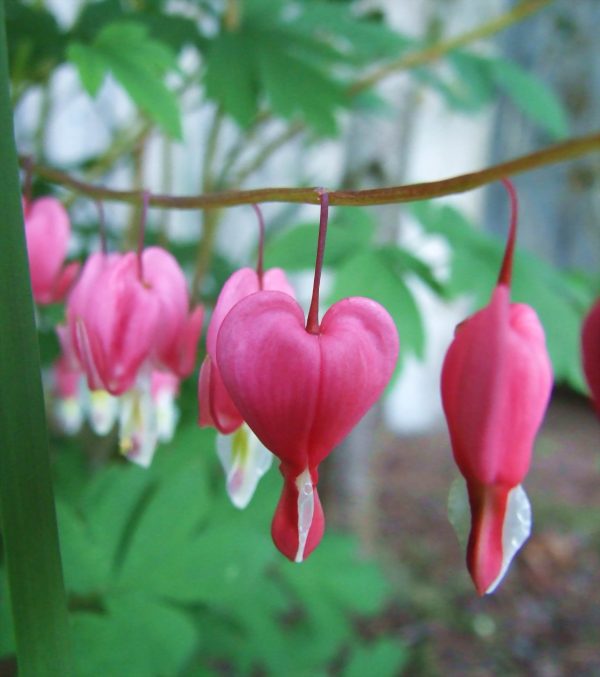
x=139 y=68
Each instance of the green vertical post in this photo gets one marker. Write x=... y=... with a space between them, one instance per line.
x=27 y=510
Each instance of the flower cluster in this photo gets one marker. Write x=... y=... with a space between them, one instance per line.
x=277 y=383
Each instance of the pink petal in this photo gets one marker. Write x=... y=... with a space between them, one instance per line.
x=216 y=408
x=47 y=230
x=496 y=383
x=284 y=528
x=272 y=374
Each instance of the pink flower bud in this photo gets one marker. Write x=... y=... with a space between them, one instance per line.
x=47 y=230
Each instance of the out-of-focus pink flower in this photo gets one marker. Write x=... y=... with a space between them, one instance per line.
x=496 y=383
x=302 y=391
x=215 y=405
x=113 y=318
x=590 y=351
x=180 y=329
x=47 y=230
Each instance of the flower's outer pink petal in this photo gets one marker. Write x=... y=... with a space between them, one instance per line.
x=359 y=349
x=66 y=378
x=121 y=325
x=239 y=285
x=496 y=383
x=64 y=281
x=216 y=408
x=180 y=357
x=590 y=349
x=272 y=375
x=163 y=274
x=284 y=528
x=47 y=230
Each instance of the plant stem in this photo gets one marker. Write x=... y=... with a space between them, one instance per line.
x=312 y=321
x=507 y=262
x=434 y=52
x=26 y=498
x=260 y=259
x=561 y=152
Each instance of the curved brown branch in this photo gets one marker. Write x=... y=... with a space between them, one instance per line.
x=567 y=150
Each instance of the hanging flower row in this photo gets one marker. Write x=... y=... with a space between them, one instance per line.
x=274 y=383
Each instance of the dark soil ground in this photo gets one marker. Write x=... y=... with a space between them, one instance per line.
x=544 y=620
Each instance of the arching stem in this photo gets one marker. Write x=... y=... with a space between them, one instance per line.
x=507 y=263
x=312 y=322
x=260 y=265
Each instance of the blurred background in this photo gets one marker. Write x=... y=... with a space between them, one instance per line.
x=165 y=577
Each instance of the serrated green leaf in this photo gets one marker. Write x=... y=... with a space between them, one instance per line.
x=384 y=658
x=140 y=69
x=294 y=86
x=531 y=95
x=136 y=635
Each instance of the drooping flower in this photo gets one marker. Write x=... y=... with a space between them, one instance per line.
x=590 y=351
x=47 y=230
x=301 y=389
x=496 y=383
x=120 y=321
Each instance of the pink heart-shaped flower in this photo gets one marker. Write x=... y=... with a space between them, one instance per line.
x=302 y=393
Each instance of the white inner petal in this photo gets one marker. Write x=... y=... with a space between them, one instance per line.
x=102 y=409
x=167 y=415
x=138 y=433
x=306 y=509
x=68 y=414
x=245 y=460
x=515 y=531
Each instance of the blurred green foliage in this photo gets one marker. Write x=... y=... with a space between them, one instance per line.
x=165 y=577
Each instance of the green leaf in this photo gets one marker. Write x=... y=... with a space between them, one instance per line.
x=475 y=87
x=349 y=231
x=230 y=77
x=90 y=65
x=86 y=566
x=140 y=69
x=7 y=637
x=135 y=635
x=531 y=95
x=384 y=658
x=373 y=274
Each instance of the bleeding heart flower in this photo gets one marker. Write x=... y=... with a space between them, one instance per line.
x=590 y=350
x=215 y=405
x=67 y=408
x=114 y=319
x=496 y=383
x=302 y=389
x=47 y=230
